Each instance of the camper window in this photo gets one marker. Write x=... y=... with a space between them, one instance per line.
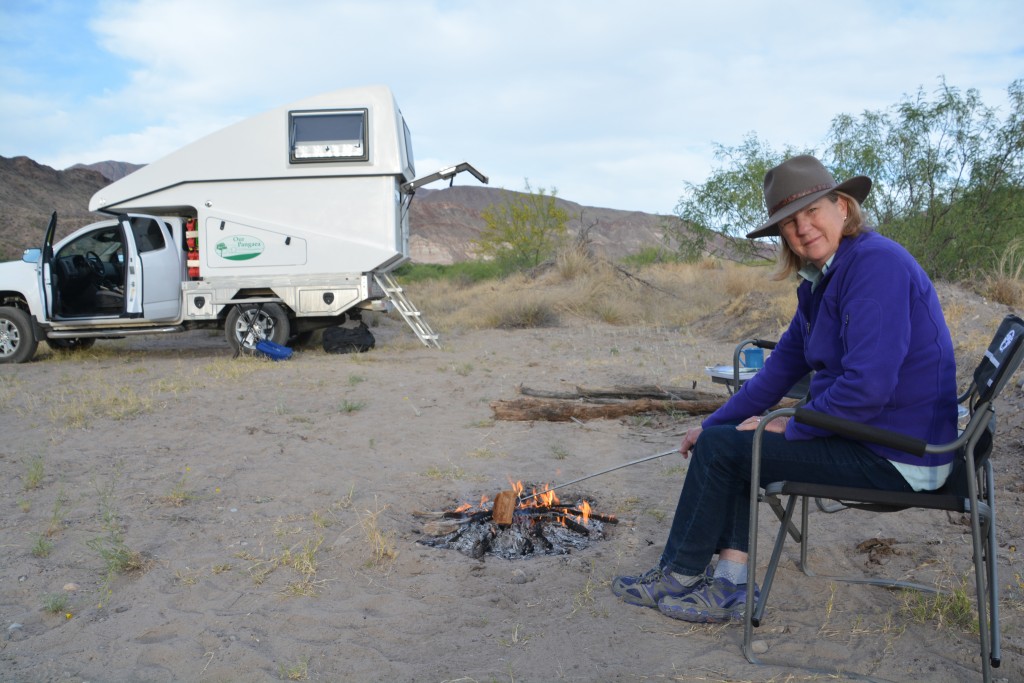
x=335 y=135
x=408 y=147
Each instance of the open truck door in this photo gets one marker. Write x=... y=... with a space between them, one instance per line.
x=47 y=284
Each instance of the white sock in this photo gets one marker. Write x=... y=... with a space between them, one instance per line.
x=685 y=579
x=733 y=571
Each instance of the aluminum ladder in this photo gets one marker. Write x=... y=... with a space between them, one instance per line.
x=409 y=313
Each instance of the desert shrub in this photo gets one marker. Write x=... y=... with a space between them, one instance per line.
x=1005 y=283
x=575 y=261
x=649 y=256
x=525 y=230
x=522 y=313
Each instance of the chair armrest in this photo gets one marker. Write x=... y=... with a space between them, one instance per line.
x=763 y=344
x=861 y=432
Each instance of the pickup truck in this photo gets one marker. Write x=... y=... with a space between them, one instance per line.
x=270 y=229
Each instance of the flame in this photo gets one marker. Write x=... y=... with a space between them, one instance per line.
x=542 y=498
x=585 y=511
x=546 y=498
x=463 y=507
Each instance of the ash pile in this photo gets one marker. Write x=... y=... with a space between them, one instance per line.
x=539 y=525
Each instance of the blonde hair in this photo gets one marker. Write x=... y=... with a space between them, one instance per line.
x=787 y=263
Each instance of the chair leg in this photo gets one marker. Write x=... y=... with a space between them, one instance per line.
x=773 y=562
x=803 y=537
x=780 y=511
x=982 y=574
x=991 y=565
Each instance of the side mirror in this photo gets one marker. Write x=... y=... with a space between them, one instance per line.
x=31 y=255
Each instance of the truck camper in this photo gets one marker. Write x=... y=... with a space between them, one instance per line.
x=270 y=229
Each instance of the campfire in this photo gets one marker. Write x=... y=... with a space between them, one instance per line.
x=514 y=525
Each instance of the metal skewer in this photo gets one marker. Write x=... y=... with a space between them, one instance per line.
x=521 y=497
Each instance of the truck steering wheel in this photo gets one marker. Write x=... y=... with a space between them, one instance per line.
x=96 y=263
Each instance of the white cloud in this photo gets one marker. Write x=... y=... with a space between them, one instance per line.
x=613 y=103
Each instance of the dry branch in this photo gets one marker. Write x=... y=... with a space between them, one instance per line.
x=529 y=408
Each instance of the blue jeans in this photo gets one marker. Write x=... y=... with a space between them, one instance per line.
x=713 y=513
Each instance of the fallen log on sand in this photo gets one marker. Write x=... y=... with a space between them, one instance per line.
x=554 y=410
x=622 y=392
x=589 y=403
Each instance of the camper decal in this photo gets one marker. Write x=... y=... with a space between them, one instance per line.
x=239 y=248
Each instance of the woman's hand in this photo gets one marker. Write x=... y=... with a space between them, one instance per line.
x=689 y=440
x=778 y=425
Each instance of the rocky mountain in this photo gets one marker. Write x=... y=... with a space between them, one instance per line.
x=113 y=170
x=442 y=222
x=30 y=192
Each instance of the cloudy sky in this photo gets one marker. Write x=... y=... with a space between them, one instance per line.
x=613 y=104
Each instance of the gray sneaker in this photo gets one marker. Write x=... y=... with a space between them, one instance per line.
x=647 y=589
x=717 y=601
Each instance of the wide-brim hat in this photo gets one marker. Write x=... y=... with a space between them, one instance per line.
x=796 y=184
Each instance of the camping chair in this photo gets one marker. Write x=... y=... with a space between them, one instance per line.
x=969 y=489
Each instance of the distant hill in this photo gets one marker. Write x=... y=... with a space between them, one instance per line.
x=30 y=192
x=112 y=170
x=442 y=223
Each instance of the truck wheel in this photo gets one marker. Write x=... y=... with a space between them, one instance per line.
x=17 y=342
x=76 y=344
x=269 y=322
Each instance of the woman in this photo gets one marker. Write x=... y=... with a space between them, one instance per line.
x=869 y=324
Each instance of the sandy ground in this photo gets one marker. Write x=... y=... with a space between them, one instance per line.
x=264 y=502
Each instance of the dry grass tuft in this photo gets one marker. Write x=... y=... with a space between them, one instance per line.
x=1005 y=285
x=575 y=262
x=382 y=542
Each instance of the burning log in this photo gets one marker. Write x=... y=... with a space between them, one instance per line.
x=607 y=519
x=504 y=506
x=574 y=525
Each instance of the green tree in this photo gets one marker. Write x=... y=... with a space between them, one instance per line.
x=947 y=174
x=948 y=179
x=718 y=214
x=523 y=231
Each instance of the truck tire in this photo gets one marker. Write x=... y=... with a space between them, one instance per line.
x=75 y=344
x=17 y=342
x=269 y=322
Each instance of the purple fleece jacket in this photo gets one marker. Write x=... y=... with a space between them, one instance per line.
x=874 y=335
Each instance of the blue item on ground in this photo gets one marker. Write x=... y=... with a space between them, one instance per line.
x=273 y=351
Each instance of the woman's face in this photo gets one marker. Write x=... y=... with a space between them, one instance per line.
x=814 y=232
